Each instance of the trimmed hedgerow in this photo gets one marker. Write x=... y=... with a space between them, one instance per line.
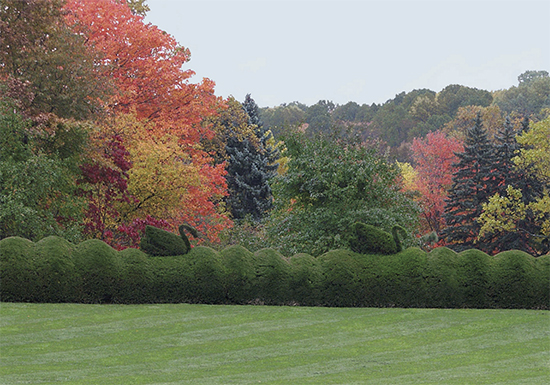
x=56 y=277
x=171 y=279
x=54 y=270
x=207 y=276
x=240 y=274
x=404 y=278
x=272 y=277
x=340 y=281
x=514 y=278
x=100 y=269
x=137 y=276
x=305 y=280
x=474 y=278
x=442 y=287
x=542 y=285
x=18 y=279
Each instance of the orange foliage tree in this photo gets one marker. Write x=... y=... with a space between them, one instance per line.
x=146 y=66
x=434 y=158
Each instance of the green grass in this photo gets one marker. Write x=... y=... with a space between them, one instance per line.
x=202 y=344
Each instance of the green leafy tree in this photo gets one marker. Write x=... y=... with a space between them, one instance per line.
x=529 y=98
x=319 y=117
x=38 y=192
x=454 y=96
x=330 y=185
x=278 y=119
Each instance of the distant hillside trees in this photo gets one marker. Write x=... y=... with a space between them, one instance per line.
x=416 y=113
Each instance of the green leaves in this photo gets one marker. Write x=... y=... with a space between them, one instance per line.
x=329 y=186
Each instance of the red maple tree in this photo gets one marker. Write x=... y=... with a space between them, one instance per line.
x=146 y=66
x=433 y=158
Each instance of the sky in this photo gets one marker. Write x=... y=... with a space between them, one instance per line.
x=365 y=51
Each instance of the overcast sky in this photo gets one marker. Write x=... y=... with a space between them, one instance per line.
x=364 y=51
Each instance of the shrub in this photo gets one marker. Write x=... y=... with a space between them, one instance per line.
x=171 y=279
x=207 y=272
x=272 y=276
x=159 y=242
x=366 y=239
x=474 y=278
x=340 y=282
x=305 y=278
x=239 y=274
x=100 y=268
x=441 y=278
x=542 y=288
x=402 y=277
x=57 y=279
x=514 y=278
x=137 y=277
x=18 y=281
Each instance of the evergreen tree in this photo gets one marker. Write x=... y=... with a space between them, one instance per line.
x=506 y=173
x=251 y=166
x=473 y=184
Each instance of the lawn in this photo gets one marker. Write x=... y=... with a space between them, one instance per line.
x=202 y=344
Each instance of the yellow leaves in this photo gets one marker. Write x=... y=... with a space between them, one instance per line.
x=501 y=214
x=409 y=175
x=541 y=208
x=535 y=156
x=162 y=171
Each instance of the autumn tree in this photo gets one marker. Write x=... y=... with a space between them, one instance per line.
x=46 y=65
x=434 y=159
x=520 y=217
x=146 y=66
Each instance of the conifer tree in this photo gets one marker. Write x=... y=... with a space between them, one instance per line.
x=506 y=173
x=473 y=184
x=251 y=166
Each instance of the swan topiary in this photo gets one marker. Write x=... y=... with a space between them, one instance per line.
x=160 y=242
x=365 y=239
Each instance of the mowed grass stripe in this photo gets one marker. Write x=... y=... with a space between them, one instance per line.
x=201 y=344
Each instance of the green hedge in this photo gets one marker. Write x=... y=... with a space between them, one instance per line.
x=54 y=270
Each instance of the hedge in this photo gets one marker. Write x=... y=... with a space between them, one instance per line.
x=54 y=270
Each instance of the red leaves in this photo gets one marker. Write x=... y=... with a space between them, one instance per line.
x=434 y=157
x=105 y=182
x=146 y=66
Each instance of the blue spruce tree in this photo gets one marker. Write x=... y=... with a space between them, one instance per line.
x=251 y=166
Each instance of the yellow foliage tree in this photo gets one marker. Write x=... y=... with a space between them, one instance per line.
x=505 y=213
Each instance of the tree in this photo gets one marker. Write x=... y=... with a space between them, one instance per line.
x=146 y=66
x=454 y=96
x=104 y=183
x=46 y=66
x=330 y=185
x=511 y=181
x=492 y=117
x=319 y=118
x=38 y=178
x=529 y=98
x=250 y=168
x=472 y=185
x=434 y=159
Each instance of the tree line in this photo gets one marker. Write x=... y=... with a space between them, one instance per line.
x=103 y=133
